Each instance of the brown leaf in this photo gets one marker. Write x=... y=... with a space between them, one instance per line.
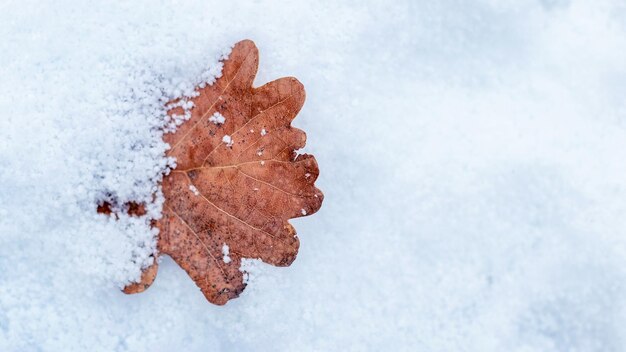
x=236 y=183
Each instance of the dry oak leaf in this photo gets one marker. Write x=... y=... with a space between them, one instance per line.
x=238 y=179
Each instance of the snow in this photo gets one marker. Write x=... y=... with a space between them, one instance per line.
x=471 y=154
x=228 y=140
x=194 y=190
x=263 y=132
x=225 y=251
x=217 y=118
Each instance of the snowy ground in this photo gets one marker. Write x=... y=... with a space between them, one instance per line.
x=472 y=155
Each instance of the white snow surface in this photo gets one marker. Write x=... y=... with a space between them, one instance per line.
x=472 y=155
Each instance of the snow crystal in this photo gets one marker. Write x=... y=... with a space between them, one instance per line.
x=229 y=141
x=217 y=118
x=225 y=249
x=194 y=190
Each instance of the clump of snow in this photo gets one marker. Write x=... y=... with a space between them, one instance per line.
x=225 y=252
x=217 y=118
x=251 y=268
x=194 y=190
x=485 y=214
x=174 y=120
x=263 y=132
x=228 y=140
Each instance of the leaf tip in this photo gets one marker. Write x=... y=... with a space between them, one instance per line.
x=147 y=278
